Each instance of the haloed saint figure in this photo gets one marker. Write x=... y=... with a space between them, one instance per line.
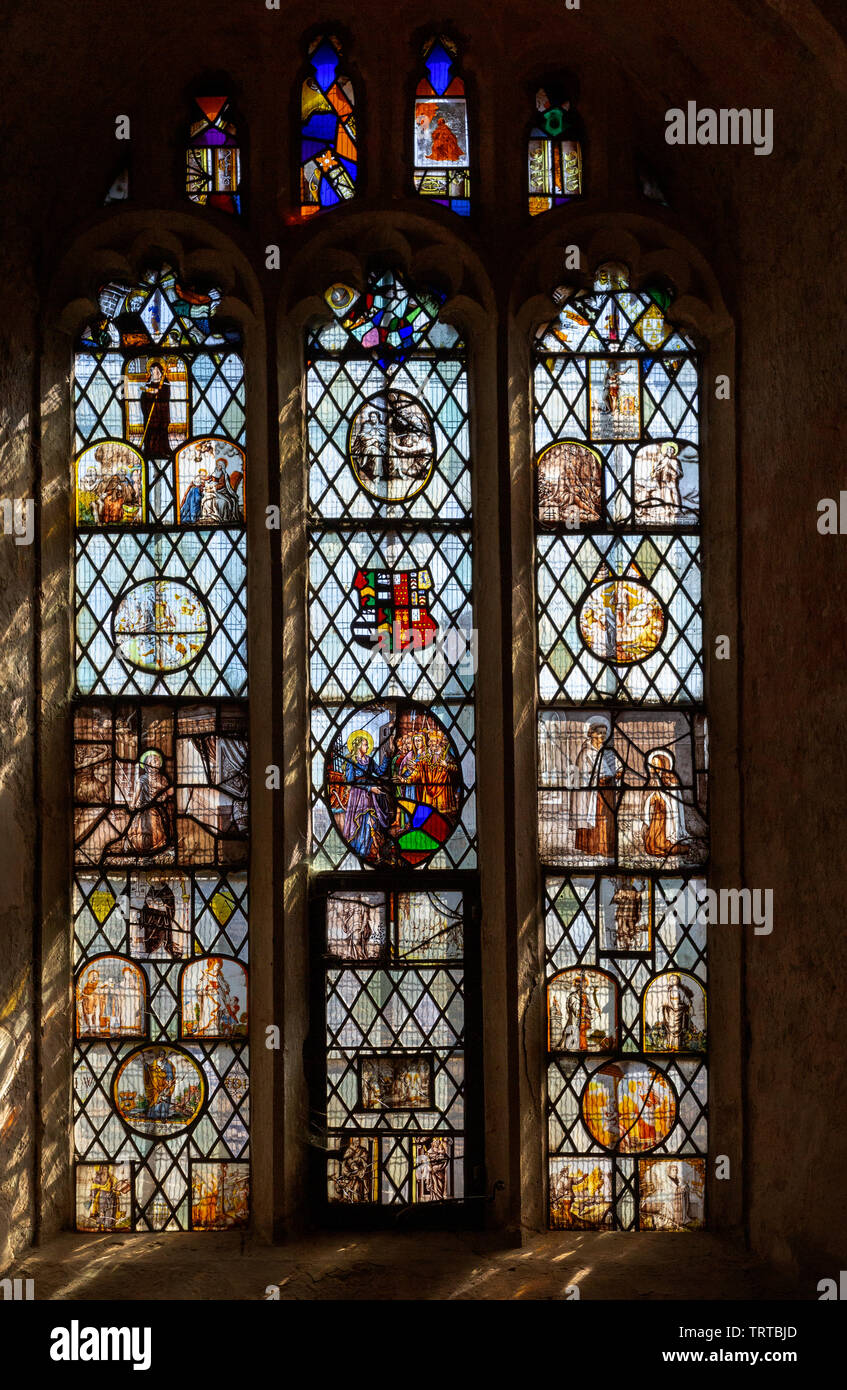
x=369 y=811
x=663 y=810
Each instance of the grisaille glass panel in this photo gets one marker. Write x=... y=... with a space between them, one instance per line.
x=620 y=617
x=387 y=423
x=395 y=1070
x=394 y=595
x=622 y=759
x=161 y=796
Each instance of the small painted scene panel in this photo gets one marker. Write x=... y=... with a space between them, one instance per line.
x=393 y=785
x=629 y=789
x=154 y=785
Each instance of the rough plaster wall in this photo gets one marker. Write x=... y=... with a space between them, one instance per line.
x=794 y=654
x=17 y=819
x=769 y=227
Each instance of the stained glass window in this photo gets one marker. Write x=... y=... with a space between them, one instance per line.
x=554 y=152
x=328 y=150
x=441 y=138
x=392 y=754
x=160 y=758
x=622 y=759
x=213 y=157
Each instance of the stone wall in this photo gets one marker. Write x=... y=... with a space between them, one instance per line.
x=770 y=230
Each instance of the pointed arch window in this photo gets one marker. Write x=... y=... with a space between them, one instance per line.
x=441 y=136
x=555 y=151
x=213 y=157
x=329 y=161
x=160 y=758
x=622 y=758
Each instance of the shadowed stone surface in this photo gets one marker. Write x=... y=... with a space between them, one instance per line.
x=401 y=1266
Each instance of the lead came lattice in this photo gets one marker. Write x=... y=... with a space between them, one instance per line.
x=622 y=794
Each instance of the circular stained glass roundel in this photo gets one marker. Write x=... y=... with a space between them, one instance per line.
x=621 y=621
x=159 y=1090
x=629 y=1107
x=391 y=446
x=160 y=625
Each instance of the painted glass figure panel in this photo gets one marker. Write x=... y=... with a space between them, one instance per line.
x=209 y=483
x=622 y=788
x=581 y=1194
x=111 y=999
x=104 y=1198
x=394 y=784
x=220 y=1196
x=155 y=785
x=441 y=140
x=582 y=1011
x=672 y=1194
x=674 y=1014
x=213 y=998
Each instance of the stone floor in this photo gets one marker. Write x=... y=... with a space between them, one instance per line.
x=380 y=1265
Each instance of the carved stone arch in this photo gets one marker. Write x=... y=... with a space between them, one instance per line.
x=122 y=244
x=417 y=245
x=646 y=246
x=649 y=247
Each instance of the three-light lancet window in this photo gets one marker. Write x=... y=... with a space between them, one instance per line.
x=160 y=726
